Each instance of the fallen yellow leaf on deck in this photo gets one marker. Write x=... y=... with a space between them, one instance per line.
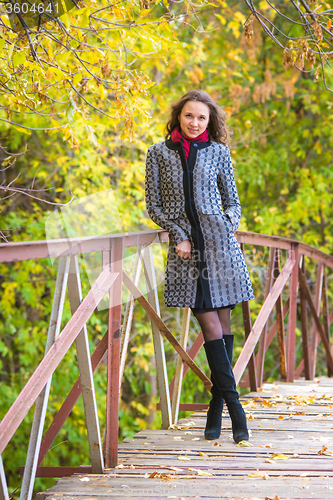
x=204 y=473
x=186 y=425
x=279 y=456
x=203 y=454
x=120 y=466
x=178 y=438
x=165 y=477
x=324 y=451
x=196 y=439
x=262 y=474
x=249 y=404
x=183 y=458
x=269 y=461
x=201 y=472
x=244 y=443
x=265 y=446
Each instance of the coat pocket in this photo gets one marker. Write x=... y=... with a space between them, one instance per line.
x=222 y=217
x=211 y=210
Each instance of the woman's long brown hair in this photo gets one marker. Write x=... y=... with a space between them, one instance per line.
x=217 y=128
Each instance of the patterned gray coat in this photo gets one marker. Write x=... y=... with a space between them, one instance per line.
x=185 y=197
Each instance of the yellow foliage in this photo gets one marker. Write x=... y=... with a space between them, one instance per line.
x=8 y=297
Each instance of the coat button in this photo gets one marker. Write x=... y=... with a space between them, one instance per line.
x=195 y=145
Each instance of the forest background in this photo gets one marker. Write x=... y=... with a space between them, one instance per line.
x=88 y=131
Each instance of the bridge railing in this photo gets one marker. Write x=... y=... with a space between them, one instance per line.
x=292 y=277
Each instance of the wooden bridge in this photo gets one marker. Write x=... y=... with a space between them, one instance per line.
x=288 y=275
x=290 y=456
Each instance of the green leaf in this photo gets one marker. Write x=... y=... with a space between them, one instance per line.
x=19 y=58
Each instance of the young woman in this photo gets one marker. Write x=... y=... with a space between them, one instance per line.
x=188 y=177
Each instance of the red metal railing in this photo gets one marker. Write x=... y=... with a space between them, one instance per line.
x=116 y=339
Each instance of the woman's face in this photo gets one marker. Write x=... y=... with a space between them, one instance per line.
x=194 y=118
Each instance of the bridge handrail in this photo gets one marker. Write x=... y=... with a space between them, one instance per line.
x=26 y=250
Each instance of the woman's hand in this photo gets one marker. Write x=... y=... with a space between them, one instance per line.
x=183 y=249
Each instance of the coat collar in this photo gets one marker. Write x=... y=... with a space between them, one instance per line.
x=176 y=146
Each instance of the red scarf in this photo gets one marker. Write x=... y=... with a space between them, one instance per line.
x=178 y=136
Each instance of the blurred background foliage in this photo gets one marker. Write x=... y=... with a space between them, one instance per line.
x=282 y=153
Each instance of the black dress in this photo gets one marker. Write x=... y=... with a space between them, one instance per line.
x=203 y=302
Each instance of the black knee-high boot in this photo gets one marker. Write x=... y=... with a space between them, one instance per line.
x=225 y=381
x=214 y=414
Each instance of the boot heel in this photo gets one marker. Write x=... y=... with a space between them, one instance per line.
x=238 y=420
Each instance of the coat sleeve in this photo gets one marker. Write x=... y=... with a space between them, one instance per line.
x=154 y=201
x=228 y=190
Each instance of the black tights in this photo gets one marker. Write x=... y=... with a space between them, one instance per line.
x=214 y=324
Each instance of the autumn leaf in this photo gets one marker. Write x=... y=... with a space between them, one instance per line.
x=259 y=474
x=244 y=443
x=279 y=456
x=324 y=451
x=201 y=454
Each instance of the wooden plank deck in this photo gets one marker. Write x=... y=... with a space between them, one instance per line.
x=290 y=457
